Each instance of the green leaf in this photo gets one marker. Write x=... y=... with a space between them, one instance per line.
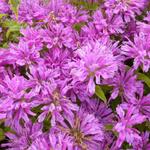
x=14 y=4
x=108 y=127
x=2 y=135
x=12 y=26
x=100 y=93
x=78 y=26
x=2 y=15
x=144 y=78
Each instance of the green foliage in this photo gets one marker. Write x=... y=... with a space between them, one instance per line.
x=100 y=93
x=12 y=26
x=2 y=135
x=11 y=31
x=14 y=4
x=37 y=110
x=85 y=5
x=144 y=78
x=78 y=26
x=46 y=123
x=108 y=127
x=115 y=103
x=126 y=146
x=2 y=15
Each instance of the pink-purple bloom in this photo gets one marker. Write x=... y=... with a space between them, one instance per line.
x=84 y=129
x=124 y=127
x=139 y=50
x=96 y=60
x=74 y=74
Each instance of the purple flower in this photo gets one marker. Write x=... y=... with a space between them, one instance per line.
x=55 y=140
x=40 y=143
x=57 y=105
x=144 y=144
x=124 y=127
x=141 y=104
x=4 y=7
x=57 y=59
x=42 y=79
x=31 y=11
x=57 y=35
x=139 y=51
x=16 y=101
x=101 y=111
x=32 y=37
x=22 y=54
x=147 y=18
x=68 y=14
x=23 y=136
x=110 y=25
x=128 y=9
x=60 y=140
x=144 y=27
x=85 y=131
x=125 y=84
x=95 y=60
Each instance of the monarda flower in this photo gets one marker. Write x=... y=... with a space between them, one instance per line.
x=139 y=50
x=141 y=104
x=31 y=11
x=42 y=79
x=84 y=129
x=125 y=84
x=4 y=7
x=96 y=61
x=101 y=111
x=16 y=101
x=57 y=35
x=127 y=8
x=54 y=140
x=32 y=37
x=22 y=137
x=144 y=27
x=124 y=127
x=108 y=25
x=145 y=143
x=22 y=54
x=69 y=15
x=57 y=105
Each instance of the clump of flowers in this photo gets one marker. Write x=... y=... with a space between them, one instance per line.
x=74 y=75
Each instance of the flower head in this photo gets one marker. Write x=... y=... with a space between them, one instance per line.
x=85 y=131
x=125 y=84
x=127 y=8
x=22 y=54
x=139 y=50
x=96 y=60
x=23 y=136
x=125 y=124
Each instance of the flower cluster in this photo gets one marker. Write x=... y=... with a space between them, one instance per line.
x=74 y=75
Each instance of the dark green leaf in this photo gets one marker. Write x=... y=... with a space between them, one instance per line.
x=2 y=135
x=144 y=78
x=100 y=93
x=108 y=127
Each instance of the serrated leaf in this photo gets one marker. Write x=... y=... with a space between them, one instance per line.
x=14 y=4
x=100 y=93
x=144 y=78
